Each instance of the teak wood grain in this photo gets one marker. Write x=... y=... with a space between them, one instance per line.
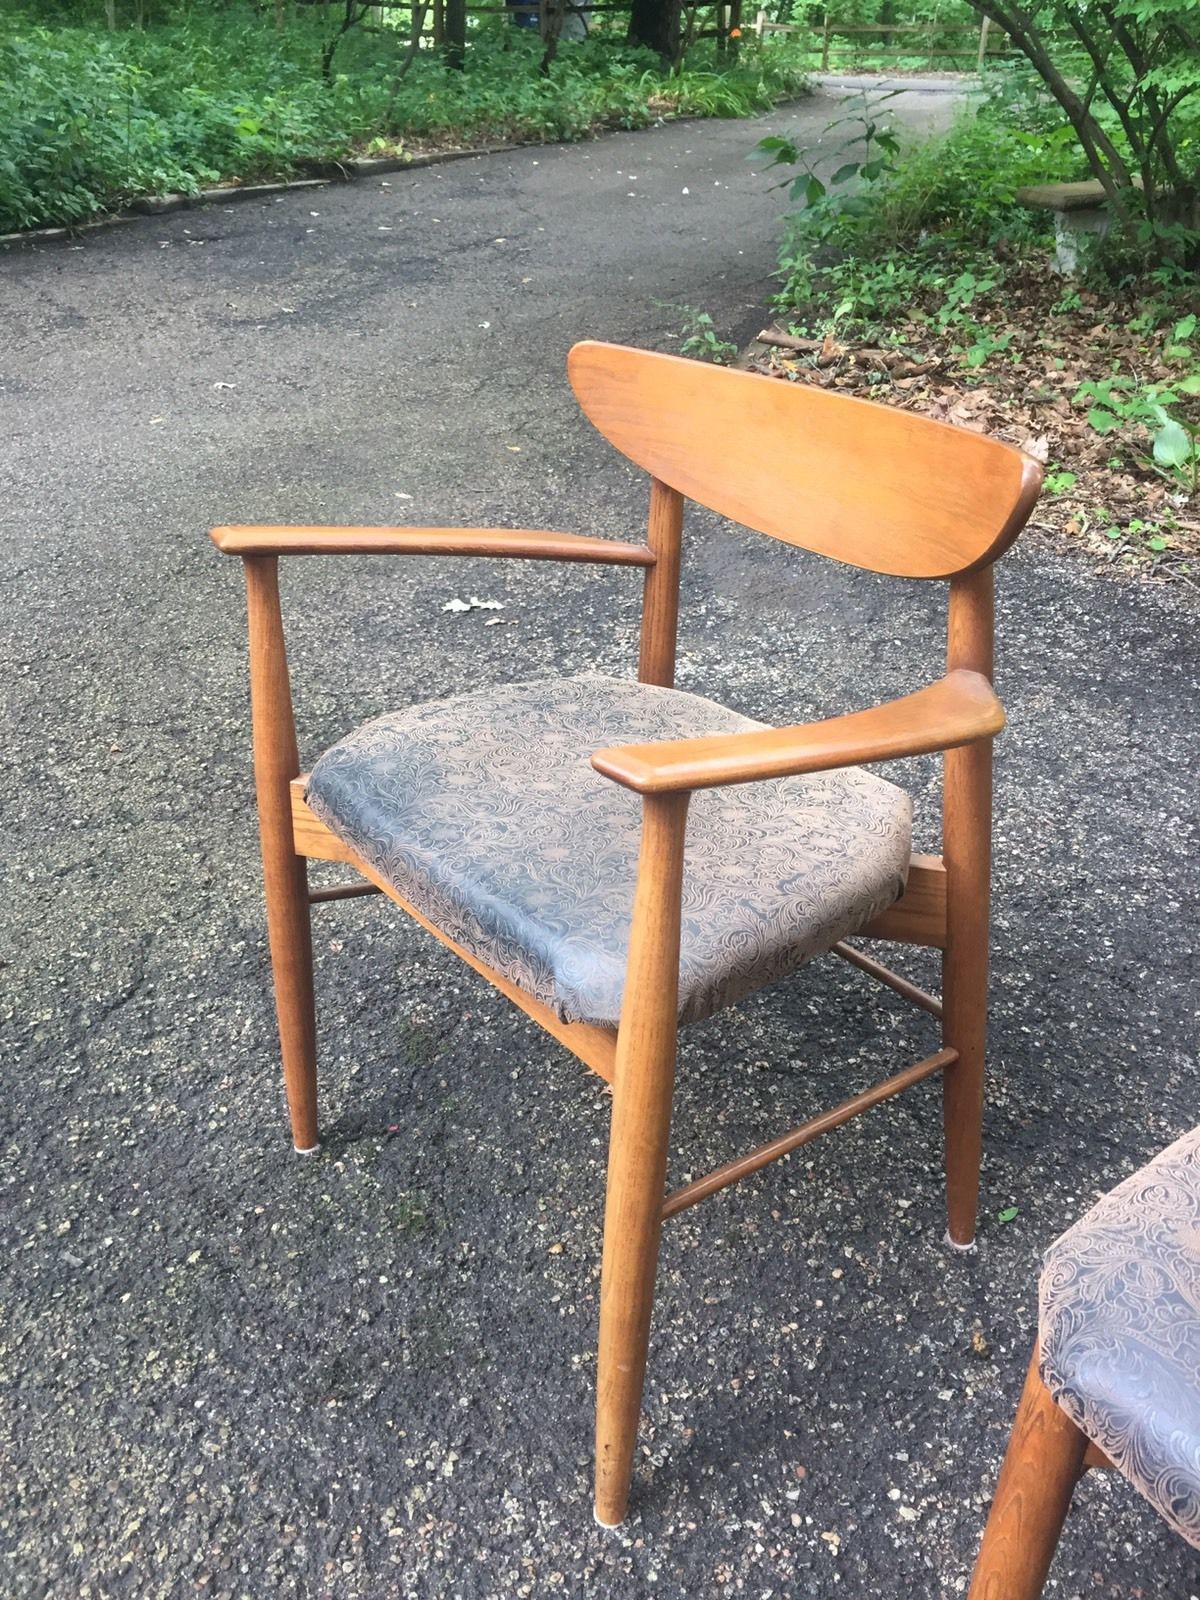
x=919 y=916
x=957 y=710
x=967 y=857
x=660 y=601
x=595 y=1047
x=310 y=836
x=528 y=544
x=637 y=1151
x=1045 y=1457
x=796 y=1138
x=866 y=484
x=285 y=874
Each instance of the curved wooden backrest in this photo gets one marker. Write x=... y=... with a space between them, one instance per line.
x=866 y=484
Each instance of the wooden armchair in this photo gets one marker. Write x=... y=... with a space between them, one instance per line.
x=1115 y=1377
x=506 y=823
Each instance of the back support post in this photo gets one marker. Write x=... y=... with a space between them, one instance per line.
x=660 y=600
x=966 y=851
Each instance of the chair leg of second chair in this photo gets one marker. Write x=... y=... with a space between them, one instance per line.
x=643 y=1085
x=1043 y=1463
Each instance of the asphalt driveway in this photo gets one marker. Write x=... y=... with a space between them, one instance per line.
x=228 y=1372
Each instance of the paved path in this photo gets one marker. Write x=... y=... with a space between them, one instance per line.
x=228 y=1373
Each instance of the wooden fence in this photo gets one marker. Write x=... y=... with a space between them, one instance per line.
x=979 y=40
x=435 y=20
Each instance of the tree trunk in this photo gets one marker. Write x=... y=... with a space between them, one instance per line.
x=655 y=23
x=455 y=43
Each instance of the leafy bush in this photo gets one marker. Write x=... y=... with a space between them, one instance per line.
x=90 y=117
x=930 y=226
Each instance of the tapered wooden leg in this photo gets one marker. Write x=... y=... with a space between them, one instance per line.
x=967 y=853
x=1041 y=1468
x=276 y=763
x=292 y=966
x=637 y=1161
x=965 y=978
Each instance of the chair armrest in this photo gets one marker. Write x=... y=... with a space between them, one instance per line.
x=522 y=543
x=957 y=710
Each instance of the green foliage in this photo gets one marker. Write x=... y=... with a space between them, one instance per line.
x=1120 y=81
x=1126 y=74
x=947 y=41
x=90 y=117
x=699 y=339
x=896 y=233
x=872 y=148
x=1140 y=533
x=1060 y=482
x=1120 y=401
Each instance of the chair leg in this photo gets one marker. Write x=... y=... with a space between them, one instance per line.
x=967 y=848
x=1044 y=1461
x=286 y=874
x=643 y=1084
x=290 y=933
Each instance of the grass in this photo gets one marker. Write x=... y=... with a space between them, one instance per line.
x=91 y=117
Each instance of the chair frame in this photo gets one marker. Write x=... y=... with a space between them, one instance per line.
x=945 y=905
x=1046 y=1457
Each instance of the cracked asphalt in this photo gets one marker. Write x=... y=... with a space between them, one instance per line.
x=231 y=1373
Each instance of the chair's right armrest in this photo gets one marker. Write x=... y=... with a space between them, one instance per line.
x=958 y=709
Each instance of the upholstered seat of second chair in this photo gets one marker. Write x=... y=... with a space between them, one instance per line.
x=1120 y=1330
x=484 y=813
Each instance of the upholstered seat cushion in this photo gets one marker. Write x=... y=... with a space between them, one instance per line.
x=1120 y=1330
x=484 y=813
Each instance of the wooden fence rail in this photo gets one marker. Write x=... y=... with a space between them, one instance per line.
x=550 y=14
x=831 y=30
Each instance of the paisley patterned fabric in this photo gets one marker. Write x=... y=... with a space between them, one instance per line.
x=1120 y=1330
x=484 y=813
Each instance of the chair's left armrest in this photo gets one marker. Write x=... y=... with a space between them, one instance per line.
x=520 y=543
x=959 y=709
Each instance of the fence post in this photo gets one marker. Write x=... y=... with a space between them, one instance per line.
x=825 y=44
x=983 y=42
